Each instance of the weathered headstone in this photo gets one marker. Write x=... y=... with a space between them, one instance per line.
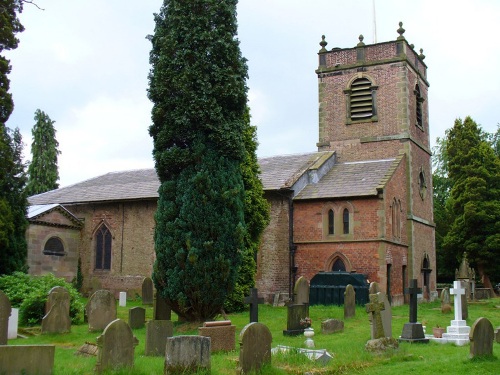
x=386 y=314
x=187 y=354
x=301 y=291
x=254 y=301
x=161 y=309
x=332 y=326
x=5 y=310
x=57 y=320
x=255 y=347
x=445 y=300
x=295 y=313
x=413 y=330
x=100 y=310
x=374 y=288
x=481 y=338
x=136 y=317
x=147 y=291
x=116 y=347
x=157 y=332
x=222 y=334
x=497 y=335
x=374 y=308
x=349 y=302
x=27 y=359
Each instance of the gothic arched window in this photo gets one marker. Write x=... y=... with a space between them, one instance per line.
x=345 y=220
x=103 y=241
x=331 y=222
x=419 y=100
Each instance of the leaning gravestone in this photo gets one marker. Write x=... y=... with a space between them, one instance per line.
x=57 y=320
x=116 y=347
x=481 y=338
x=349 y=302
x=100 y=310
x=157 y=332
x=296 y=313
x=136 y=317
x=301 y=291
x=147 y=291
x=187 y=354
x=332 y=326
x=5 y=310
x=161 y=309
x=386 y=314
x=374 y=308
x=255 y=347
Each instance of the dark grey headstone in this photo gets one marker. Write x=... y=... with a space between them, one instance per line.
x=481 y=338
x=187 y=354
x=295 y=313
x=57 y=320
x=5 y=310
x=161 y=309
x=100 y=310
x=147 y=291
x=136 y=317
x=301 y=291
x=255 y=347
x=116 y=347
x=332 y=326
x=349 y=302
x=157 y=332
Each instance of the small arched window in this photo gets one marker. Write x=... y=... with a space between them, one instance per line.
x=345 y=219
x=54 y=246
x=338 y=265
x=103 y=241
x=331 y=222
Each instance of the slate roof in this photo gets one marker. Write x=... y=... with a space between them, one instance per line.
x=353 y=179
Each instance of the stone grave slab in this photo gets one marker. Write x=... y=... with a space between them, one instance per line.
x=157 y=332
x=57 y=320
x=161 y=308
x=5 y=311
x=147 y=291
x=187 y=354
x=349 y=302
x=116 y=347
x=27 y=359
x=301 y=291
x=222 y=334
x=255 y=347
x=481 y=338
x=320 y=356
x=136 y=317
x=100 y=310
x=295 y=313
x=330 y=326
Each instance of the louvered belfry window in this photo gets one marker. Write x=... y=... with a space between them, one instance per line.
x=419 y=101
x=361 y=99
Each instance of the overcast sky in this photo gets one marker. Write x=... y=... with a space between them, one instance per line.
x=85 y=63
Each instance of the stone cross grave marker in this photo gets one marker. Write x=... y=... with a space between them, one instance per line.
x=187 y=354
x=100 y=310
x=349 y=302
x=57 y=320
x=157 y=332
x=161 y=309
x=254 y=301
x=481 y=338
x=413 y=331
x=116 y=347
x=457 y=291
x=413 y=291
x=136 y=317
x=375 y=307
x=147 y=291
x=255 y=347
x=5 y=310
x=301 y=291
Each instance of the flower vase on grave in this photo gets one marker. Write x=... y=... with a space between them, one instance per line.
x=309 y=333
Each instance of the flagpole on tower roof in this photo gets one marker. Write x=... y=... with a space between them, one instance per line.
x=374 y=23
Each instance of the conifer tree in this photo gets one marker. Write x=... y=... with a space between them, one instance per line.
x=198 y=90
x=43 y=171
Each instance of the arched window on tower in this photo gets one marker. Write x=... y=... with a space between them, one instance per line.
x=331 y=222
x=418 y=105
x=345 y=220
x=103 y=240
x=361 y=103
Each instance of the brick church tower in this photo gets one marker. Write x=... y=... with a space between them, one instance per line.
x=373 y=106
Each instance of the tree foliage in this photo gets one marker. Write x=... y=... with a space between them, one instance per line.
x=43 y=171
x=198 y=90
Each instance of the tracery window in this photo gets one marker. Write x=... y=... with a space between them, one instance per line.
x=103 y=241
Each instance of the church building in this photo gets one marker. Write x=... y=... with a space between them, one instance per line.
x=361 y=203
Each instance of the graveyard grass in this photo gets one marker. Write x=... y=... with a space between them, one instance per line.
x=347 y=348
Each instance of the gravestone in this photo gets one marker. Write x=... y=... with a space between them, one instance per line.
x=295 y=313
x=13 y=323
x=374 y=288
x=222 y=334
x=374 y=308
x=136 y=317
x=349 y=302
x=464 y=303
x=386 y=314
x=5 y=310
x=413 y=331
x=157 y=332
x=481 y=338
x=161 y=308
x=254 y=301
x=255 y=347
x=445 y=300
x=458 y=331
x=301 y=291
x=27 y=359
x=147 y=291
x=116 y=347
x=123 y=299
x=497 y=335
x=332 y=326
x=187 y=354
x=57 y=320
x=100 y=310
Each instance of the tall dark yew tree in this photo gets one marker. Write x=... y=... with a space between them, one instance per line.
x=199 y=94
x=43 y=170
x=13 y=201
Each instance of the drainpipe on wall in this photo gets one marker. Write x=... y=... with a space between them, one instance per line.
x=123 y=229
x=292 y=273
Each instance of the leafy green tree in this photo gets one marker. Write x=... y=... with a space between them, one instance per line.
x=43 y=171
x=474 y=173
x=199 y=94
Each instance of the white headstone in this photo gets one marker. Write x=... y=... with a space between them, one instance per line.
x=13 y=323
x=457 y=291
x=123 y=299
